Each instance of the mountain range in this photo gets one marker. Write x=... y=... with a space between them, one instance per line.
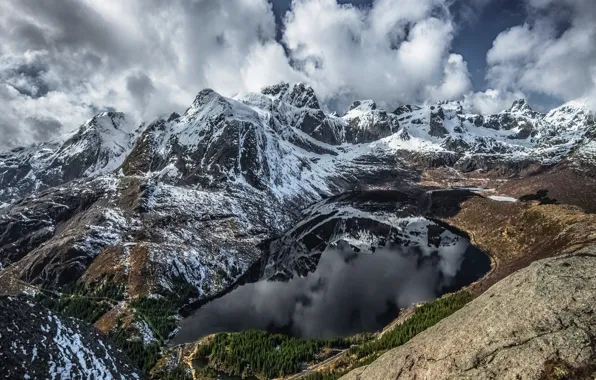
x=214 y=197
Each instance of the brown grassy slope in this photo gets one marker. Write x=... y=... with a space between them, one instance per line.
x=566 y=182
x=516 y=234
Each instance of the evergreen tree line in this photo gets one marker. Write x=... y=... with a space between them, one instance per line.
x=253 y=353
x=179 y=372
x=75 y=306
x=258 y=353
x=424 y=317
x=82 y=301
x=143 y=355
x=160 y=312
x=89 y=303
x=107 y=290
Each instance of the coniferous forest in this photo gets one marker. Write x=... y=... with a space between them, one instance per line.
x=427 y=315
x=258 y=353
x=247 y=354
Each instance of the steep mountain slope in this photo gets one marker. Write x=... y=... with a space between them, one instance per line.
x=194 y=198
x=195 y=195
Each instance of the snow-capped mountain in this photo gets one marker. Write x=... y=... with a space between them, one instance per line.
x=250 y=184
x=98 y=147
x=474 y=142
x=271 y=138
x=197 y=193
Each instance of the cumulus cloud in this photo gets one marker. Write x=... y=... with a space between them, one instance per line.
x=490 y=101
x=379 y=53
x=63 y=61
x=553 y=53
x=66 y=60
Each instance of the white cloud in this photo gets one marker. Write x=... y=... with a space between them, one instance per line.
x=553 y=53
x=66 y=60
x=456 y=80
x=390 y=56
x=490 y=101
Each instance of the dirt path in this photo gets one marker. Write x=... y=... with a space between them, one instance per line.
x=317 y=366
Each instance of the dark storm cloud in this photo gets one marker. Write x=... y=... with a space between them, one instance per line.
x=71 y=24
x=348 y=293
x=140 y=87
x=10 y=128
x=28 y=79
x=29 y=34
x=43 y=128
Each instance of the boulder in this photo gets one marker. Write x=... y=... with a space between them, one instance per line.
x=538 y=321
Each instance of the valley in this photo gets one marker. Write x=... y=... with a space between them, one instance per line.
x=263 y=212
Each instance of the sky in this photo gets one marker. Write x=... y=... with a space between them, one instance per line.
x=62 y=61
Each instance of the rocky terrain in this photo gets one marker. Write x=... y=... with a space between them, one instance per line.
x=536 y=324
x=36 y=343
x=240 y=189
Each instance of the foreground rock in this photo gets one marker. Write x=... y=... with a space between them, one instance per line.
x=35 y=343
x=537 y=322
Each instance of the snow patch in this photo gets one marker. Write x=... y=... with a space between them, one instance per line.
x=502 y=198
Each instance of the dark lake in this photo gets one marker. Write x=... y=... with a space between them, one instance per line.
x=359 y=284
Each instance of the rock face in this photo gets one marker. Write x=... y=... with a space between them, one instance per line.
x=98 y=147
x=366 y=123
x=545 y=313
x=35 y=343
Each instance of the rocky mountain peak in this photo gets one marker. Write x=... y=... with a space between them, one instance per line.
x=173 y=116
x=299 y=95
x=364 y=105
x=366 y=123
x=520 y=106
x=575 y=107
x=276 y=89
x=406 y=108
x=210 y=107
x=106 y=124
x=203 y=98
